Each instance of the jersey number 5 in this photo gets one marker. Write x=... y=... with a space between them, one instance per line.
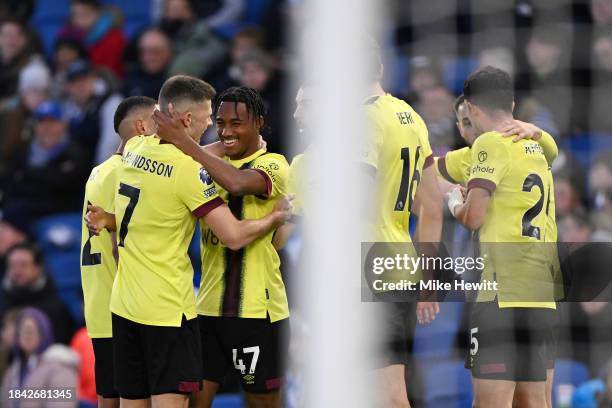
x=133 y=194
x=407 y=184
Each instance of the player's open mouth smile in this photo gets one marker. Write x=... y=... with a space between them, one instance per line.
x=230 y=142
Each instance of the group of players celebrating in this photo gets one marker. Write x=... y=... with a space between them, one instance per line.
x=156 y=342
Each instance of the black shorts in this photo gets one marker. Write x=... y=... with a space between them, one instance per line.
x=398 y=322
x=153 y=360
x=256 y=348
x=514 y=344
x=104 y=367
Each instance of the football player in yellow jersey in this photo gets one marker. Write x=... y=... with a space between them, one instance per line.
x=454 y=167
x=242 y=304
x=161 y=192
x=397 y=161
x=133 y=117
x=508 y=202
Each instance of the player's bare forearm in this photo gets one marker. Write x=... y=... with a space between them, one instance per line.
x=472 y=212
x=236 y=234
x=428 y=202
x=233 y=180
x=282 y=235
x=215 y=148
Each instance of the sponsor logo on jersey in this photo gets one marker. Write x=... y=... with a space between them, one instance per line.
x=482 y=156
x=483 y=169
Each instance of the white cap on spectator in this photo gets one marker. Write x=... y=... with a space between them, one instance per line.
x=34 y=76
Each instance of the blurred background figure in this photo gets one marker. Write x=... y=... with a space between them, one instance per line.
x=99 y=31
x=196 y=48
x=38 y=362
x=45 y=177
x=90 y=106
x=151 y=70
x=26 y=284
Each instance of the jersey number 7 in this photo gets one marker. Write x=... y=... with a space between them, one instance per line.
x=133 y=194
x=407 y=184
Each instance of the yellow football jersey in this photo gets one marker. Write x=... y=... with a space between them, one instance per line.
x=246 y=283
x=455 y=165
x=397 y=146
x=515 y=236
x=160 y=194
x=98 y=264
x=295 y=184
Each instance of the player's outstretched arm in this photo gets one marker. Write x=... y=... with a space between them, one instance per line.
x=471 y=212
x=234 y=181
x=97 y=219
x=524 y=130
x=236 y=234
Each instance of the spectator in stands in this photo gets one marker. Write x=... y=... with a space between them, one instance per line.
x=576 y=227
x=423 y=75
x=197 y=50
x=86 y=389
x=16 y=50
x=567 y=195
x=65 y=52
x=100 y=33
x=7 y=339
x=39 y=364
x=227 y=73
x=15 y=119
x=547 y=78
x=47 y=176
x=27 y=284
x=154 y=57
x=601 y=11
x=436 y=107
x=19 y=9
x=601 y=91
x=257 y=71
x=600 y=183
x=91 y=105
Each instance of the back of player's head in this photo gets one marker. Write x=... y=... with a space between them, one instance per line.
x=252 y=100
x=129 y=105
x=490 y=88
x=183 y=88
x=460 y=99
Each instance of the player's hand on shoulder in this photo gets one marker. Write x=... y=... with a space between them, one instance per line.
x=427 y=312
x=170 y=125
x=95 y=219
x=520 y=130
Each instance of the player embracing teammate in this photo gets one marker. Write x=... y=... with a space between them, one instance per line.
x=159 y=193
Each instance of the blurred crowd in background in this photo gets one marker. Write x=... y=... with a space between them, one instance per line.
x=66 y=65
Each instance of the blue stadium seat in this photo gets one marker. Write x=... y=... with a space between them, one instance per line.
x=435 y=340
x=447 y=385
x=137 y=14
x=59 y=238
x=568 y=372
x=586 y=147
x=228 y=401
